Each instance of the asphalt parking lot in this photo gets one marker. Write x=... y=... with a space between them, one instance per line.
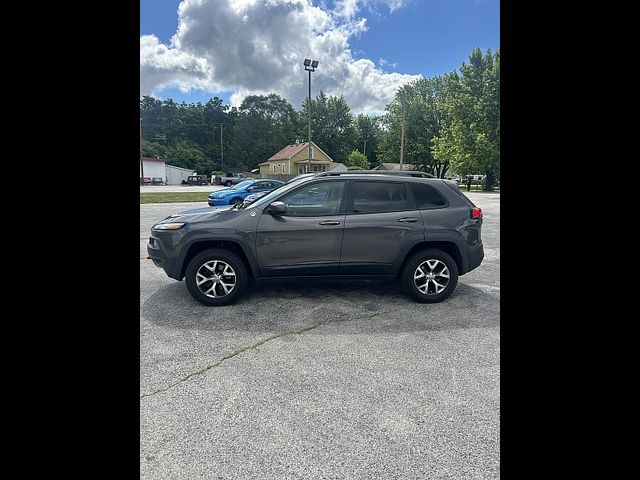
x=319 y=379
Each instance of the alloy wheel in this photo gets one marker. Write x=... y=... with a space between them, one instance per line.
x=431 y=277
x=216 y=279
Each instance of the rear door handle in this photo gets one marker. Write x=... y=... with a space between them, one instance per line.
x=408 y=219
x=329 y=222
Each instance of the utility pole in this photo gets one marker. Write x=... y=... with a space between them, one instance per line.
x=221 y=147
x=402 y=140
x=365 y=149
x=141 y=166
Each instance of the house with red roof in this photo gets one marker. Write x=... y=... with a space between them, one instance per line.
x=294 y=160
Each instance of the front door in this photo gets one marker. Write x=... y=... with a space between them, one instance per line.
x=307 y=239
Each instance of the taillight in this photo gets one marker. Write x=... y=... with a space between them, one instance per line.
x=476 y=212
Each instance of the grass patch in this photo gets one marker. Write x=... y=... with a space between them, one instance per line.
x=173 y=197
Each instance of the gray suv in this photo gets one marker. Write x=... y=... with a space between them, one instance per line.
x=422 y=230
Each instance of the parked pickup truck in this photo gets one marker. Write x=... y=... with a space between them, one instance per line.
x=232 y=179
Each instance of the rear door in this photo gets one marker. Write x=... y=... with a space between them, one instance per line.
x=307 y=239
x=381 y=220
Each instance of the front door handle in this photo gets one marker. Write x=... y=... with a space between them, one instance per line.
x=408 y=219
x=329 y=222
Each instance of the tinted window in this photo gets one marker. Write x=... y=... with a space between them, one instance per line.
x=317 y=199
x=374 y=197
x=427 y=196
x=242 y=185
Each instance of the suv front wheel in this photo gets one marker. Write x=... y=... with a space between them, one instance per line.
x=216 y=277
x=430 y=275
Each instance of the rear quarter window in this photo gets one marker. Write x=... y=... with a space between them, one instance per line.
x=427 y=197
x=454 y=186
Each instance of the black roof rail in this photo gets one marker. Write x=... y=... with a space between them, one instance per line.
x=407 y=173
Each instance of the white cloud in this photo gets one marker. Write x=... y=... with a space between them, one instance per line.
x=395 y=4
x=385 y=63
x=257 y=47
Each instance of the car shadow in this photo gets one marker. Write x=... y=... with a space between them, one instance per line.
x=370 y=306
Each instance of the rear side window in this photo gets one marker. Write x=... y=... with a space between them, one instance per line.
x=427 y=196
x=377 y=197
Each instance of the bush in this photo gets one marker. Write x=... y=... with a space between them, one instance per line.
x=357 y=161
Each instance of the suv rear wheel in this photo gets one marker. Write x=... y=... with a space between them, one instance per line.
x=430 y=275
x=216 y=277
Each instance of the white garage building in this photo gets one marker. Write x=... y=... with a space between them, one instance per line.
x=175 y=175
x=153 y=167
x=158 y=168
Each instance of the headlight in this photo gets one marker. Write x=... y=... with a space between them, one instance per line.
x=168 y=226
x=222 y=195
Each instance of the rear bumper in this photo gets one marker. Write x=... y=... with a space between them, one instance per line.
x=474 y=257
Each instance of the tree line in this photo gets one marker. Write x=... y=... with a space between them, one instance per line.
x=445 y=125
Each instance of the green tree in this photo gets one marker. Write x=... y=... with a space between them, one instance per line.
x=264 y=125
x=367 y=135
x=418 y=106
x=357 y=161
x=471 y=137
x=166 y=123
x=153 y=149
x=187 y=154
x=332 y=127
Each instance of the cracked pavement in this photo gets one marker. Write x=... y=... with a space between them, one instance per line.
x=321 y=379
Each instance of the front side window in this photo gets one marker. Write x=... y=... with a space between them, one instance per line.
x=378 y=197
x=317 y=199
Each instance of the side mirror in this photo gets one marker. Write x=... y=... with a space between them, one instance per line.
x=277 y=208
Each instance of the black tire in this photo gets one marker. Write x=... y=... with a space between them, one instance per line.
x=416 y=260
x=236 y=201
x=226 y=256
x=228 y=183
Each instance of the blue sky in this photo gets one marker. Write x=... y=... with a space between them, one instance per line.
x=421 y=37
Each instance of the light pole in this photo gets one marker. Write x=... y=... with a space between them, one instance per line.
x=310 y=66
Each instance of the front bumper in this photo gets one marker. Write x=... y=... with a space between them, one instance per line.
x=217 y=202
x=158 y=255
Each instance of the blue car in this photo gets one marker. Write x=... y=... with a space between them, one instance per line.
x=237 y=193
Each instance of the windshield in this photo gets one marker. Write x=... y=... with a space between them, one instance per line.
x=274 y=193
x=242 y=185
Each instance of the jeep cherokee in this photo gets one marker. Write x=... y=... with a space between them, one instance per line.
x=422 y=230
